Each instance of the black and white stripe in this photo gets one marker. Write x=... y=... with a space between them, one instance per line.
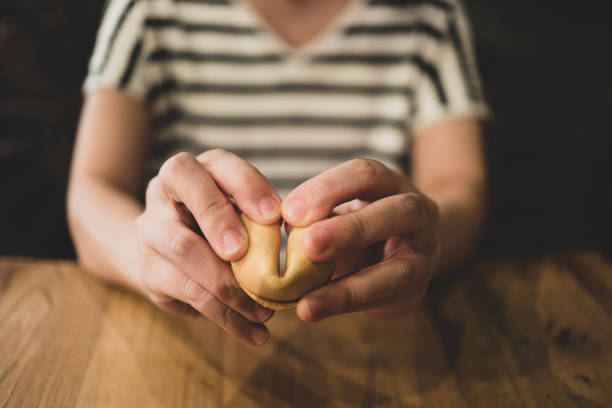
x=214 y=76
x=171 y=85
x=162 y=23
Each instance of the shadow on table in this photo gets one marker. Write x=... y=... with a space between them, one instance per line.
x=504 y=321
x=310 y=386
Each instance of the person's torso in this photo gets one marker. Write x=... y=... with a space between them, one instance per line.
x=220 y=77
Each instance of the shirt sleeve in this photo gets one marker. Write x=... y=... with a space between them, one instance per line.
x=452 y=87
x=117 y=60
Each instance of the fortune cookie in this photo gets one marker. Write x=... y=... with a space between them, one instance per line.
x=258 y=272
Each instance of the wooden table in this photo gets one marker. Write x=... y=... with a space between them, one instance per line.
x=507 y=333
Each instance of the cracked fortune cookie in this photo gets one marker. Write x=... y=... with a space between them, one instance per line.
x=258 y=272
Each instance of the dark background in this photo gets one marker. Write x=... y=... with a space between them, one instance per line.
x=547 y=72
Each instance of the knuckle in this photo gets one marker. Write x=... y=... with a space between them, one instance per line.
x=180 y=243
x=367 y=169
x=174 y=165
x=203 y=302
x=225 y=292
x=352 y=295
x=218 y=312
x=225 y=315
x=155 y=192
x=357 y=227
x=213 y=207
x=411 y=203
x=404 y=275
x=213 y=154
x=420 y=204
x=191 y=289
x=251 y=184
x=153 y=187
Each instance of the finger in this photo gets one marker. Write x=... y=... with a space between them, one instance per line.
x=350 y=206
x=343 y=208
x=186 y=181
x=157 y=202
x=244 y=183
x=354 y=260
x=166 y=279
x=396 y=215
x=361 y=179
x=365 y=286
x=399 y=304
x=191 y=254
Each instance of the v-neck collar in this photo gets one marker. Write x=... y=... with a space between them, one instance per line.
x=331 y=30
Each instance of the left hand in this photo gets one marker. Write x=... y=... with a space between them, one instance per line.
x=392 y=236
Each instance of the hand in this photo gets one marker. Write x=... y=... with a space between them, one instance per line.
x=181 y=270
x=393 y=233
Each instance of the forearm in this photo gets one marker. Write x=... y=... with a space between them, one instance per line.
x=105 y=175
x=462 y=214
x=102 y=222
x=449 y=167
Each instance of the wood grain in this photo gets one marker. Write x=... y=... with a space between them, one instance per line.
x=511 y=333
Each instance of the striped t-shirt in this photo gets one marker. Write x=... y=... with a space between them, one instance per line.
x=214 y=74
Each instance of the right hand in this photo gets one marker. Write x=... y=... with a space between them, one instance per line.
x=183 y=271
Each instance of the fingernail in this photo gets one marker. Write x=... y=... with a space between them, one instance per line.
x=259 y=335
x=233 y=240
x=268 y=207
x=296 y=209
x=263 y=313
